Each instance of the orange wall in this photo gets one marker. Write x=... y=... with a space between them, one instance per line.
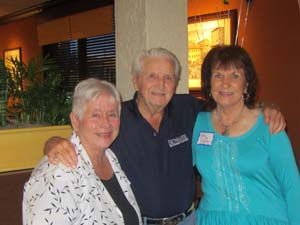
x=274 y=43
x=21 y=33
x=271 y=37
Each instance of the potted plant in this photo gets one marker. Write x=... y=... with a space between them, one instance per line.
x=34 y=97
x=3 y=93
x=36 y=94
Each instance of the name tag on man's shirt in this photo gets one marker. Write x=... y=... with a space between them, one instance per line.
x=178 y=140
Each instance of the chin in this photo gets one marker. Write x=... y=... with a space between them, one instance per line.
x=105 y=144
x=103 y=147
x=227 y=104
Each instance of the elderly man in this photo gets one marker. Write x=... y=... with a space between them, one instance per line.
x=154 y=142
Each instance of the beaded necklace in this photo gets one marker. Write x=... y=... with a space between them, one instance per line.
x=226 y=127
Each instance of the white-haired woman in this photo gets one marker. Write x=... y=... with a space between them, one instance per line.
x=97 y=191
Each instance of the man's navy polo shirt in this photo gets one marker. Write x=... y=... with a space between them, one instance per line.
x=159 y=165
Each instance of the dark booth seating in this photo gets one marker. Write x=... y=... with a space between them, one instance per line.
x=11 y=195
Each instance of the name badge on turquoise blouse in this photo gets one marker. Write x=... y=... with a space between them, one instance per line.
x=205 y=138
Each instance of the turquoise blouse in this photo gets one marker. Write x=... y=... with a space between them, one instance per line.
x=249 y=179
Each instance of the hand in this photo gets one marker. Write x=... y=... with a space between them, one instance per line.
x=274 y=118
x=60 y=150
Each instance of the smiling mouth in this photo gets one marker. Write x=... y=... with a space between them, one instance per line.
x=105 y=135
x=222 y=93
x=158 y=93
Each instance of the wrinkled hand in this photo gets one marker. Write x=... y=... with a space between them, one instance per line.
x=274 y=118
x=60 y=150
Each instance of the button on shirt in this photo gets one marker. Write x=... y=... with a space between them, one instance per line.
x=159 y=164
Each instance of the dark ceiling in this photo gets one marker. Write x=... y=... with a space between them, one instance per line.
x=12 y=6
x=11 y=10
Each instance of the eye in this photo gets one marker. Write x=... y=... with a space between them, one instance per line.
x=95 y=115
x=217 y=76
x=169 y=78
x=113 y=115
x=235 y=76
x=152 y=76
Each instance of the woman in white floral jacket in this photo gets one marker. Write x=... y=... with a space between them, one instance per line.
x=97 y=191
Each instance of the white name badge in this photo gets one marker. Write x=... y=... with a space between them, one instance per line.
x=205 y=138
x=178 y=140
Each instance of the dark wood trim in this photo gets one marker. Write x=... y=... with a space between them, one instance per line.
x=67 y=7
x=54 y=9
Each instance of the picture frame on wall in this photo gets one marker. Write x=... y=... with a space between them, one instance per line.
x=13 y=53
x=205 y=32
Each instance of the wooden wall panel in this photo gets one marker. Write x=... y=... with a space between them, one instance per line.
x=81 y=25
x=54 y=31
x=92 y=23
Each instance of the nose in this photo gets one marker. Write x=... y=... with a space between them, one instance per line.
x=161 y=81
x=226 y=81
x=104 y=121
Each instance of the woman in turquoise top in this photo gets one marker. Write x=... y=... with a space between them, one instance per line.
x=249 y=177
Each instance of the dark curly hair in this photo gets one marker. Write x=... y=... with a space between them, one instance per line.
x=225 y=56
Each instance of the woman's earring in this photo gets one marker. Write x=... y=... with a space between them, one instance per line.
x=246 y=96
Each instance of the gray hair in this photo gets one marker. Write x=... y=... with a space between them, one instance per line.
x=156 y=52
x=89 y=89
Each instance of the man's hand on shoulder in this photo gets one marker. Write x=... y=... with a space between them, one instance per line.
x=273 y=117
x=60 y=150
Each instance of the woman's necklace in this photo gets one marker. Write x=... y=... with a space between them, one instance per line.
x=226 y=127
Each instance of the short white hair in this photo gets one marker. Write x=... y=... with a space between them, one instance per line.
x=156 y=52
x=89 y=89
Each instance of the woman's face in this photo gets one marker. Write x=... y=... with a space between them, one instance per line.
x=99 y=125
x=228 y=86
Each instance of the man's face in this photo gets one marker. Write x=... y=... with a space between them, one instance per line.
x=156 y=84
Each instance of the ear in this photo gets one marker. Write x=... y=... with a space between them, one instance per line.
x=177 y=82
x=134 y=80
x=74 y=121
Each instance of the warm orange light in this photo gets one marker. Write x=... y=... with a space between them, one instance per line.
x=202 y=37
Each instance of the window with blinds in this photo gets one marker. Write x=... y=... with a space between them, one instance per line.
x=83 y=58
